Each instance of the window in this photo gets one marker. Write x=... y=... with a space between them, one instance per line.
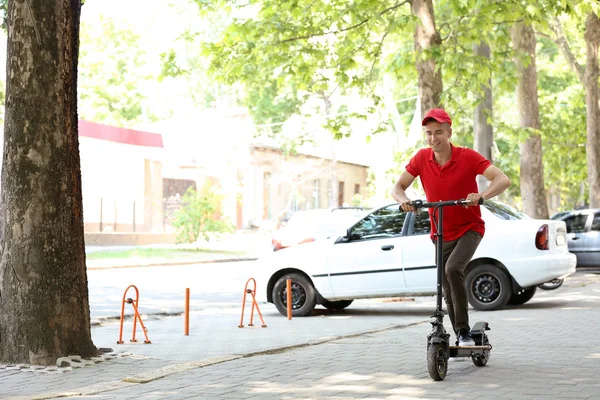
x=422 y=225
x=596 y=222
x=387 y=222
x=356 y=188
x=576 y=223
x=340 y=193
x=504 y=211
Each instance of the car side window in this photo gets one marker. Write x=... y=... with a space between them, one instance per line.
x=386 y=222
x=422 y=225
x=576 y=223
x=596 y=222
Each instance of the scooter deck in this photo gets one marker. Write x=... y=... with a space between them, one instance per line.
x=467 y=351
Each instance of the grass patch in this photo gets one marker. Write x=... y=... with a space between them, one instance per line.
x=156 y=253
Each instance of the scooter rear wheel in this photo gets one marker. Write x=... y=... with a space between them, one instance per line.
x=437 y=363
x=480 y=360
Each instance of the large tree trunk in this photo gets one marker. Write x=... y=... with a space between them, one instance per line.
x=533 y=191
x=44 y=308
x=592 y=40
x=427 y=37
x=484 y=133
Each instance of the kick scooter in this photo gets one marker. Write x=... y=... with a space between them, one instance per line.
x=438 y=341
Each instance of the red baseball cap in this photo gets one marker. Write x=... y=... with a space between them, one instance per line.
x=439 y=115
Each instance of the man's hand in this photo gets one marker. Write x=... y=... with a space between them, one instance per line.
x=473 y=199
x=407 y=207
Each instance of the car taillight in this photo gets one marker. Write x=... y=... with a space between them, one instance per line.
x=542 y=238
x=307 y=240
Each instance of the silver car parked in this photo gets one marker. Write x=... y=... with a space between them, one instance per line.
x=583 y=236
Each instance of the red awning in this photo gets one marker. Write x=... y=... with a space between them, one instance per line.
x=119 y=135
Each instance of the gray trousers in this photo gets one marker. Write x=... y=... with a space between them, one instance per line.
x=456 y=255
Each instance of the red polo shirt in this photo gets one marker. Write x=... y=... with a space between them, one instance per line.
x=453 y=181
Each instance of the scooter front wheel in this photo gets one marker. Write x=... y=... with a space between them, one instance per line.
x=437 y=363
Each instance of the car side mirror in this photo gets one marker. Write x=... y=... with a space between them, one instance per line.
x=344 y=237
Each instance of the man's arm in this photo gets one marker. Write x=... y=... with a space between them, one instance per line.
x=399 y=190
x=499 y=183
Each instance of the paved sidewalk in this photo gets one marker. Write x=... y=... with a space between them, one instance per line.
x=544 y=349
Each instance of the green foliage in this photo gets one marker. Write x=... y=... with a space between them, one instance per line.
x=316 y=57
x=269 y=103
x=358 y=201
x=197 y=216
x=3 y=12
x=112 y=77
x=285 y=53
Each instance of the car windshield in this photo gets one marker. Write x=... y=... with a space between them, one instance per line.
x=504 y=211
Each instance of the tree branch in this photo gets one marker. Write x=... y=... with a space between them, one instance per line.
x=563 y=45
x=377 y=53
x=309 y=6
x=293 y=39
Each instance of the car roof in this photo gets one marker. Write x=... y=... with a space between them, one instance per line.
x=582 y=211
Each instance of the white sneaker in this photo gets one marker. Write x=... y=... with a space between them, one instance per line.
x=465 y=338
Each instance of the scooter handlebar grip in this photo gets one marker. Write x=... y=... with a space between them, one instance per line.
x=416 y=203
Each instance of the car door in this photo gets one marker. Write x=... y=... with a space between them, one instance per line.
x=368 y=263
x=418 y=256
x=576 y=234
x=590 y=253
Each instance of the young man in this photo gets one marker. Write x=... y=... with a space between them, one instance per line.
x=449 y=173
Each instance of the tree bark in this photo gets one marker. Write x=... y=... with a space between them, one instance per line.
x=533 y=192
x=426 y=38
x=44 y=307
x=592 y=41
x=484 y=133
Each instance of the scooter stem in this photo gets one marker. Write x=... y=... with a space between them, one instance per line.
x=439 y=259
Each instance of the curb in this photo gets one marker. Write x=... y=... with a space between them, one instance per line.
x=174 y=264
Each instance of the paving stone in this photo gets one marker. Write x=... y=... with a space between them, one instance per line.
x=528 y=360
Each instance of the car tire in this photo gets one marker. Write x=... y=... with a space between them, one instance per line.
x=488 y=287
x=523 y=297
x=336 y=305
x=304 y=296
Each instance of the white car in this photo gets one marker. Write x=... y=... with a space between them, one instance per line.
x=389 y=253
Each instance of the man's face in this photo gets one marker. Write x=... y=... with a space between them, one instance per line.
x=437 y=134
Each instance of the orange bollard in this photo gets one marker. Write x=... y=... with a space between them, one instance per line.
x=288 y=284
x=254 y=304
x=187 y=311
x=136 y=317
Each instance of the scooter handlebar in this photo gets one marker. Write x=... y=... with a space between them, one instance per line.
x=434 y=204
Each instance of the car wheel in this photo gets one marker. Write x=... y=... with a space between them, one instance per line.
x=523 y=297
x=304 y=298
x=336 y=305
x=488 y=287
